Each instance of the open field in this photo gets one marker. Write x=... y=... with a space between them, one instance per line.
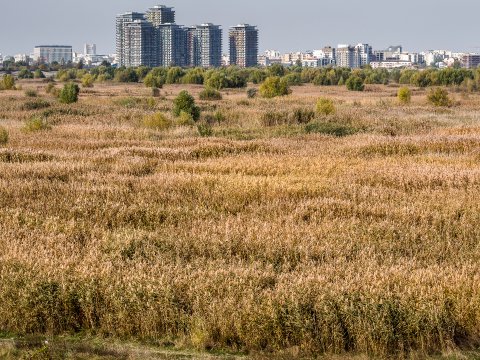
x=267 y=237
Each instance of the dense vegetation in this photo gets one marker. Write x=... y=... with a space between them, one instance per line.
x=325 y=221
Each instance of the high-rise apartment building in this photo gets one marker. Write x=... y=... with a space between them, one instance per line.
x=363 y=55
x=121 y=22
x=48 y=54
x=345 y=56
x=140 y=44
x=243 y=45
x=204 y=45
x=172 y=40
x=160 y=14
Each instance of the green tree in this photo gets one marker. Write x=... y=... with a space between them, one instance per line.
x=186 y=103
x=87 y=81
x=69 y=93
x=175 y=75
x=404 y=95
x=8 y=82
x=355 y=83
x=25 y=74
x=39 y=74
x=274 y=86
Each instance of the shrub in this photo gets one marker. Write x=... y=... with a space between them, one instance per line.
x=8 y=82
x=325 y=106
x=252 y=93
x=39 y=74
x=25 y=74
x=157 y=121
x=69 y=93
x=36 y=105
x=204 y=129
x=330 y=128
x=274 y=86
x=31 y=93
x=155 y=91
x=302 y=116
x=185 y=102
x=87 y=81
x=3 y=136
x=273 y=118
x=210 y=94
x=439 y=97
x=185 y=119
x=404 y=95
x=154 y=81
x=355 y=83
x=36 y=124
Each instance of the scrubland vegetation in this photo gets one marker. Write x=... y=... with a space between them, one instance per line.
x=325 y=221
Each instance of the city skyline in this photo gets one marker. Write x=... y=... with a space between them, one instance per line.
x=293 y=29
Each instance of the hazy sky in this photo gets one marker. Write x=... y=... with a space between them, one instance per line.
x=284 y=25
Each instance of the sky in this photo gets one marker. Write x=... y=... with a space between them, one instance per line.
x=284 y=25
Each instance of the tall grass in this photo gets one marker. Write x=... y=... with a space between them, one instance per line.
x=301 y=244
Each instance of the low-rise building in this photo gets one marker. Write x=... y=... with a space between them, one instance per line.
x=48 y=54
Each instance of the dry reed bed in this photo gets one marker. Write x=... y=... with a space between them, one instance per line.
x=366 y=244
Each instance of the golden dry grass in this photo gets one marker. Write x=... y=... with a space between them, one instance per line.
x=259 y=239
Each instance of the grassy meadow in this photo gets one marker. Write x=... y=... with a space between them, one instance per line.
x=278 y=232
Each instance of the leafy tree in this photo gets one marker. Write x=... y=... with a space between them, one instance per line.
x=274 y=86
x=124 y=75
x=404 y=95
x=175 y=75
x=355 y=83
x=142 y=71
x=69 y=93
x=194 y=76
x=8 y=82
x=87 y=81
x=217 y=80
x=276 y=70
x=186 y=103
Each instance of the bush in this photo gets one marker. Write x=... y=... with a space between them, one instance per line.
x=153 y=80
x=36 y=124
x=185 y=102
x=3 y=136
x=157 y=121
x=210 y=94
x=302 y=116
x=69 y=93
x=204 y=129
x=155 y=91
x=274 y=86
x=439 y=97
x=404 y=95
x=185 y=119
x=36 y=105
x=273 y=118
x=8 y=82
x=31 y=93
x=252 y=93
x=355 y=83
x=25 y=74
x=87 y=81
x=329 y=128
x=39 y=74
x=325 y=107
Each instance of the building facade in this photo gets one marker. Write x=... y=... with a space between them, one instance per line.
x=243 y=45
x=172 y=42
x=121 y=40
x=160 y=14
x=140 y=44
x=90 y=49
x=470 y=61
x=204 y=46
x=48 y=54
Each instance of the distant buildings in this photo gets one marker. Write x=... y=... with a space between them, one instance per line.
x=243 y=45
x=48 y=54
x=204 y=45
x=154 y=39
x=470 y=61
x=90 y=49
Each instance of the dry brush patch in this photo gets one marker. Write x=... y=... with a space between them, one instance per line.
x=301 y=243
